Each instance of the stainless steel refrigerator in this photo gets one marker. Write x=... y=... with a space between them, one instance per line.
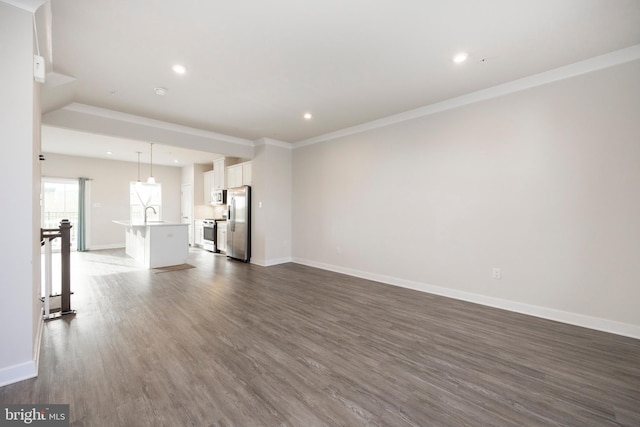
x=239 y=223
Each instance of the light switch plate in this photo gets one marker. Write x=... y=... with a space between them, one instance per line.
x=38 y=68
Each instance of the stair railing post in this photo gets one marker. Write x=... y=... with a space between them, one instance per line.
x=65 y=255
x=47 y=278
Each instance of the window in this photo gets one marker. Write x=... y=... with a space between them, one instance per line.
x=142 y=196
x=60 y=201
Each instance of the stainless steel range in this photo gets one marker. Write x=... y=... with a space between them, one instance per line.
x=209 y=235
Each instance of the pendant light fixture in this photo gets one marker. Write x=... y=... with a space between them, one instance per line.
x=151 y=179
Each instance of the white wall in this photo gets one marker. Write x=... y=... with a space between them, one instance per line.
x=258 y=215
x=543 y=183
x=19 y=253
x=271 y=203
x=198 y=182
x=278 y=206
x=193 y=175
x=110 y=192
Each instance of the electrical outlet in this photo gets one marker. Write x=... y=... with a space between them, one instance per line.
x=496 y=273
x=338 y=250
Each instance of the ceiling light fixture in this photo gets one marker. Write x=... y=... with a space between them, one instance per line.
x=179 y=69
x=460 y=57
x=307 y=116
x=160 y=91
x=109 y=152
x=151 y=179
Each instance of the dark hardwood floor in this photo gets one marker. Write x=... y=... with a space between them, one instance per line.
x=233 y=344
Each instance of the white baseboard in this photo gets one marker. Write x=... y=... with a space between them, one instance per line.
x=101 y=247
x=277 y=261
x=270 y=262
x=26 y=370
x=596 y=323
x=15 y=373
x=37 y=343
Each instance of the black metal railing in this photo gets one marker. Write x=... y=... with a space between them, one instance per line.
x=51 y=220
x=63 y=232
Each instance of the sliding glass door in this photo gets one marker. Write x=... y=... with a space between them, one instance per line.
x=60 y=201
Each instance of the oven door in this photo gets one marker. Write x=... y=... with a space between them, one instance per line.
x=209 y=237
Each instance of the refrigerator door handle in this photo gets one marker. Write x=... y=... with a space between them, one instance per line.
x=232 y=214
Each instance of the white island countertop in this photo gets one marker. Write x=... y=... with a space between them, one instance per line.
x=156 y=243
x=128 y=223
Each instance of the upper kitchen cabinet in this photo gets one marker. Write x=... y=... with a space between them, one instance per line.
x=220 y=172
x=219 y=180
x=246 y=173
x=234 y=176
x=239 y=175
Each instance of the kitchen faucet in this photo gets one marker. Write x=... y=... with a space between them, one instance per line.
x=145 y=212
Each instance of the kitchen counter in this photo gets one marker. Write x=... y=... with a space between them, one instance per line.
x=156 y=243
x=127 y=223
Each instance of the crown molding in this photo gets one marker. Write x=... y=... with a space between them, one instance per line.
x=130 y=118
x=273 y=142
x=583 y=67
x=28 y=5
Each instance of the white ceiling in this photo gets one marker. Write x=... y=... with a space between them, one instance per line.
x=254 y=67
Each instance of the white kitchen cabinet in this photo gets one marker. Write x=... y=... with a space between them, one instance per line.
x=197 y=227
x=246 y=173
x=156 y=244
x=234 y=176
x=222 y=236
x=239 y=175
x=208 y=185
x=219 y=173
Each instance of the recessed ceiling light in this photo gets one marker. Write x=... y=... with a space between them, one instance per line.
x=179 y=69
x=307 y=116
x=175 y=161
x=109 y=152
x=161 y=91
x=460 y=57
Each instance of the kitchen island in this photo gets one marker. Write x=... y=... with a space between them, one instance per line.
x=156 y=243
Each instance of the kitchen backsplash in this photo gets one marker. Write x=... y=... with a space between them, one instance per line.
x=220 y=211
x=203 y=211
x=209 y=211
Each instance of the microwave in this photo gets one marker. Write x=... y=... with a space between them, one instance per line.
x=218 y=197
